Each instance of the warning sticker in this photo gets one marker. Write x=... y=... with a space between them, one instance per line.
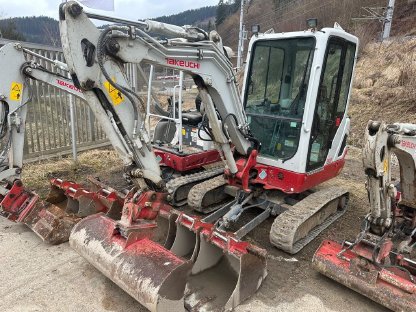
x=115 y=94
x=16 y=91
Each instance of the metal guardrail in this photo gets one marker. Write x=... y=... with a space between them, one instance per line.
x=48 y=122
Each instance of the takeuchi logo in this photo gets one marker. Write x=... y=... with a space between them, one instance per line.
x=408 y=144
x=181 y=63
x=67 y=85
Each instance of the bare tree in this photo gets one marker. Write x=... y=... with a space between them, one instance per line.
x=52 y=34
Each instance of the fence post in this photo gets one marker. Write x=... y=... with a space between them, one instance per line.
x=73 y=121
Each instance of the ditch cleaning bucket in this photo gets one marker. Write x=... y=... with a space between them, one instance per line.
x=389 y=286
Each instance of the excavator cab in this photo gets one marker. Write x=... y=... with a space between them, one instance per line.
x=296 y=96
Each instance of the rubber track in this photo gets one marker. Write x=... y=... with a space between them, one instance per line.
x=199 y=191
x=284 y=227
x=174 y=184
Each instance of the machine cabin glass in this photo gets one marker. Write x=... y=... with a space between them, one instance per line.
x=332 y=100
x=276 y=93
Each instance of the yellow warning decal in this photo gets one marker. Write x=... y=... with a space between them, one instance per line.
x=386 y=165
x=16 y=91
x=115 y=94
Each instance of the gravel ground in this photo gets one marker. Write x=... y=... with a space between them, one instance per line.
x=38 y=277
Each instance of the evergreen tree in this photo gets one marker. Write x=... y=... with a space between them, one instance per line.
x=222 y=12
x=236 y=6
x=9 y=30
x=210 y=27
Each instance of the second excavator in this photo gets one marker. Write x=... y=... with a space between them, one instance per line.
x=381 y=262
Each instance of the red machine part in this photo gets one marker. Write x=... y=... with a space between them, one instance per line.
x=186 y=162
x=273 y=178
x=142 y=206
x=64 y=184
x=242 y=177
x=18 y=202
x=291 y=182
x=67 y=203
x=390 y=285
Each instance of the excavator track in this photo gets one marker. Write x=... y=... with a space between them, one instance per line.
x=179 y=188
x=208 y=196
x=297 y=226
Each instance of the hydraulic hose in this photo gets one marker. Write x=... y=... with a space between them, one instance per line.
x=125 y=91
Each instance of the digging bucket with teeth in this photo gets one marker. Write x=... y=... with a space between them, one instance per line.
x=53 y=219
x=393 y=285
x=170 y=261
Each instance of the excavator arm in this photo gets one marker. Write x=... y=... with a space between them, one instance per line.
x=382 y=141
x=15 y=95
x=96 y=58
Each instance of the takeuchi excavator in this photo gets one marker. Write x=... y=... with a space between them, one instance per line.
x=279 y=141
x=284 y=136
x=381 y=262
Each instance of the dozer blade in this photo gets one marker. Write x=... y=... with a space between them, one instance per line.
x=391 y=286
x=200 y=269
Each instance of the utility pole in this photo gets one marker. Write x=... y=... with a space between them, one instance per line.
x=389 y=19
x=241 y=36
x=382 y=14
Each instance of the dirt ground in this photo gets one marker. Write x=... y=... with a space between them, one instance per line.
x=38 y=277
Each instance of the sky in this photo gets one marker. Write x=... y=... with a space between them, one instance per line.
x=130 y=9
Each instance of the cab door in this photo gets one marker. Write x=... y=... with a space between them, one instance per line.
x=331 y=100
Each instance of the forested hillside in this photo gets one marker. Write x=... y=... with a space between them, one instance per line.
x=45 y=30
x=203 y=17
x=291 y=15
x=40 y=29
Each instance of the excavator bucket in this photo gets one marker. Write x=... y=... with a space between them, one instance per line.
x=226 y=271
x=47 y=220
x=189 y=267
x=66 y=204
x=393 y=286
x=146 y=270
x=76 y=200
